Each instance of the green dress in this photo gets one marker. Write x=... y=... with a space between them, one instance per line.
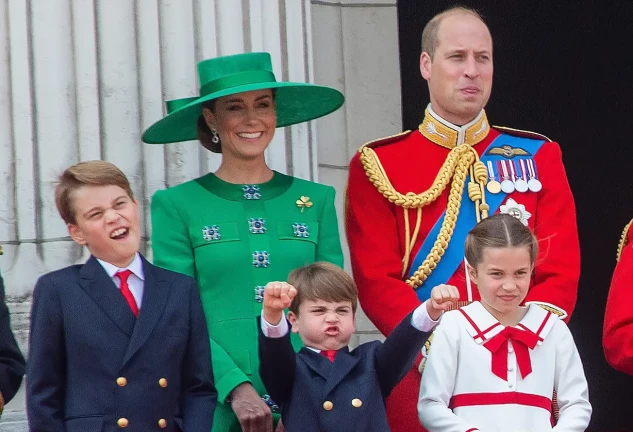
x=233 y=239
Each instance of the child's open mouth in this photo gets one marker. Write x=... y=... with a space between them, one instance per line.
x=119 y=233
x=331 y=331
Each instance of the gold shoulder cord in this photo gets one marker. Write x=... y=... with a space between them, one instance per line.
x=623 y=240
x=461 y=161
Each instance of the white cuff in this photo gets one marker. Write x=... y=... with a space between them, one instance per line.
x=421 y=319
x=276 y=331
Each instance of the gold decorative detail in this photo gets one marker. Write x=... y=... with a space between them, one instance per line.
x=304 y=203
x=508 y=152
x=460 y=162
x=447 y=136
x=623 y=240
x=560 y=313
x=357 y=403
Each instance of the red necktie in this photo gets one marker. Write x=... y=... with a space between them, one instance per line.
x=125 y=290
x=330 y=354
x=521 y=341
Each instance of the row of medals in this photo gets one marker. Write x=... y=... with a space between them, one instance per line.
x=512 y=175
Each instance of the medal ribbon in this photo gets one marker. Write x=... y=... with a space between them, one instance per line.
x=491 y=171
x=521 y=167
x=513 y=176
x=531 y=169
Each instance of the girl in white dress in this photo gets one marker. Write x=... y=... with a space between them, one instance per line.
x=494 y=365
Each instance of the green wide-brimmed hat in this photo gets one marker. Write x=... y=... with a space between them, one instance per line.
x=228 y=75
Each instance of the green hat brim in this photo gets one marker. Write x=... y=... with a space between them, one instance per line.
x=295 y=103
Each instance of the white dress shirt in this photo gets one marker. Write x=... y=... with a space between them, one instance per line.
x=135 y=282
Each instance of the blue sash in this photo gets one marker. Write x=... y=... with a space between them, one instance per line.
x=466 y=220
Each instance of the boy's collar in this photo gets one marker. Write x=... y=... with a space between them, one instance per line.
x=136 y=267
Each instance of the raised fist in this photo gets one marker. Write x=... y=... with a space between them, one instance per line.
x=277 y=297
x=442 y=299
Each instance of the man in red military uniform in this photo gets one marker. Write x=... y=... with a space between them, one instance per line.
x=617 y=336
x=412 y=198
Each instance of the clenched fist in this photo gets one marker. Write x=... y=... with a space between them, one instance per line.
x=442 y=299
x=277 y=297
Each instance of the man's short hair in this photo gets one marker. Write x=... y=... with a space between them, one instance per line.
x=431 y=29
x=90 y=173
x=322 y=281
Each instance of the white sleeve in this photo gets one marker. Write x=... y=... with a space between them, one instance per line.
x=438 y=380
x=570 y=383
x=421 y=319
x=274 y=331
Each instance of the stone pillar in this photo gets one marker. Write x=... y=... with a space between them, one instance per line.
x=355 y=45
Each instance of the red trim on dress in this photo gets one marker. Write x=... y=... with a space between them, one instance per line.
x=481 y=399
x=481 y=335
x=541 y=327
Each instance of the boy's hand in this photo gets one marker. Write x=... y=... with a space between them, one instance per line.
x=277 y=297
x=442 y=299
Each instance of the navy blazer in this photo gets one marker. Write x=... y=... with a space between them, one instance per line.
x=94 y=367
x=347 y=395
x=11 y=360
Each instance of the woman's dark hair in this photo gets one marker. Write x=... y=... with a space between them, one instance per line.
x=204 y=132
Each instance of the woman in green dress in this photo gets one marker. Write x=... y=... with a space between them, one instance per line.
x=244 y=225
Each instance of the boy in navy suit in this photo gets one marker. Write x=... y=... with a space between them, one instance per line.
x=326 y=387
x=116 y=342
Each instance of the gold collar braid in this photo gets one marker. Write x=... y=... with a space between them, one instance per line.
x=448 y=135
x=461 y=161
x=623 y=240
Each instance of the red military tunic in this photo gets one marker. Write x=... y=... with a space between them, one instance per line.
x=377 y=233
x=617 y=337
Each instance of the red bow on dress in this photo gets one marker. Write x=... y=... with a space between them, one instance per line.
x=521 y=341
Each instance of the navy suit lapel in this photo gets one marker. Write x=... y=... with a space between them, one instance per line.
x=333 y=373
x=316 y=362
x=98 y=285
x=344 y=362
x=155 y=295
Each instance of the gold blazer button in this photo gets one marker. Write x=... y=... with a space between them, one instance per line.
x=162 y=423
x=122 y=422
x=121 y=381
x=357 y=403
x=328 y=405
x=162 y=382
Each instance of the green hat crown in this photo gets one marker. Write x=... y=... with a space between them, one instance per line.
x=224 y=72
x=228 y=75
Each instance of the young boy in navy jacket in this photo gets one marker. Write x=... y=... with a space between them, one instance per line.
x=115 y=342
x=325 y=386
